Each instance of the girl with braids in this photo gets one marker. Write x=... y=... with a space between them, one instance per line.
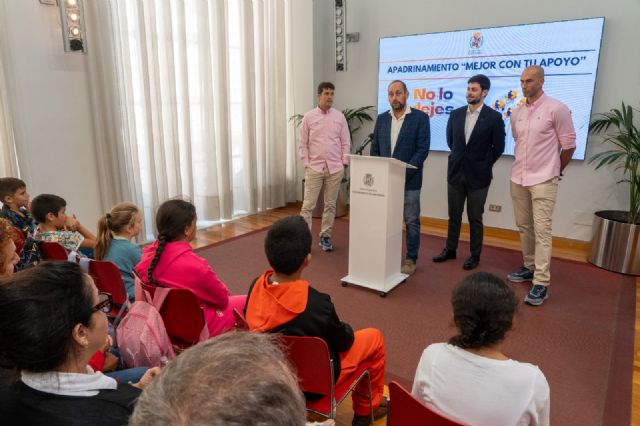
x=116 y=229
x=470 y=379
x=171 y=262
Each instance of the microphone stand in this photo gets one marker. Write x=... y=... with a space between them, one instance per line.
x=366 y=142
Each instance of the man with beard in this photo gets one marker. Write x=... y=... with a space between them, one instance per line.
x=475 y=135
x=403 y=133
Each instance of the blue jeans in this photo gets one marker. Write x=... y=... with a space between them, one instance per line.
x=130 y=375
x=412 y=223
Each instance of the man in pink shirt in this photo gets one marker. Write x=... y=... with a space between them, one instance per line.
x=324 y=146
x=544 y=143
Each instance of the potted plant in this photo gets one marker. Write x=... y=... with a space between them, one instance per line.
x=355 y=118
x=615 y=243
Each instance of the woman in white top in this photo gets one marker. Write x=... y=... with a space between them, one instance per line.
x=469 y=379
x=52 y=321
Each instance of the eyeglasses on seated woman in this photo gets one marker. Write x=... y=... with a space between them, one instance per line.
x=52 y=321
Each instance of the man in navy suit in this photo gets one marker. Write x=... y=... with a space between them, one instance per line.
x=403 y=133
x=475 y=135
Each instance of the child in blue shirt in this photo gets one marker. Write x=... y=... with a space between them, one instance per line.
x=116 y=229
x=15 y=208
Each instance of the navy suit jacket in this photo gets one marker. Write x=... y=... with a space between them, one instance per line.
x=412 y=145
x=474 y=160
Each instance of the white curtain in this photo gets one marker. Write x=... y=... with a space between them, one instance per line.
x=8 y=159
x=191 y=99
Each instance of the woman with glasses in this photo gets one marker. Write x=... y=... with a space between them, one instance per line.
x=52 y=321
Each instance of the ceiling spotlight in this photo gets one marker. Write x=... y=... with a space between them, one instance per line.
x=73 y=25
x=340 y=21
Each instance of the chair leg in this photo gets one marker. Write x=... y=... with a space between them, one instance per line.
x=370 y=398
x=369 y=394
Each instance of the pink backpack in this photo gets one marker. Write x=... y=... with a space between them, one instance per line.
x=141 y=335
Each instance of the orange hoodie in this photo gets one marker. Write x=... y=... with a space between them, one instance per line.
x=271 y=305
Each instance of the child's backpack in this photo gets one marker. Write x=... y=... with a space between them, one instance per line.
x=141 y=335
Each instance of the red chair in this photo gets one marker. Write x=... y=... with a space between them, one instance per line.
x=182 y=315
x=108 y=279
x=52 y=251
x=241 y=322
x=312 y=360
x=405 y=410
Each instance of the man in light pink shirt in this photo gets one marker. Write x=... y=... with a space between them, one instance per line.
x=545 y=140
x=324 y=145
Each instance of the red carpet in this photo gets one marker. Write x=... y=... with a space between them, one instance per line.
x=581 y=338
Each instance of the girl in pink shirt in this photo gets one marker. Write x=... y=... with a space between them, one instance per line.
x=171 y=262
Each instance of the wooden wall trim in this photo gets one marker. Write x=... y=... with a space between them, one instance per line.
x=564 y=248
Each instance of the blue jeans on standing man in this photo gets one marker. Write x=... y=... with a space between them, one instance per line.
x=412 y=223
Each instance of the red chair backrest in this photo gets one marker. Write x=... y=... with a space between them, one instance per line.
x=310 y=356
x=18 y=239
x=52 y=251
x=405 y=410
x=182 y=315
x=108 y=278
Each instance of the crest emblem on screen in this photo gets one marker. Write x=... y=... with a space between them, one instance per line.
x=368 y=179
x=476 y=40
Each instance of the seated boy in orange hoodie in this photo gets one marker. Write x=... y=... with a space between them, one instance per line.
x=279 y=301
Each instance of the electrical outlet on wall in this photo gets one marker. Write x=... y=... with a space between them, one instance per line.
x=495 y=208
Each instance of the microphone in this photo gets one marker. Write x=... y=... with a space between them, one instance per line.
x=366 y=142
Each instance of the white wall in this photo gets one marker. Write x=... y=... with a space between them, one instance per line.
x=49 y=96
x=582 y=190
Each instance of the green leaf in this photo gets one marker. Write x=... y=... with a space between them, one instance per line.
x=619 y=128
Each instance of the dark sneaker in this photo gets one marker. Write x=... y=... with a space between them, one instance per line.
x=444 y=255
x=325 y=243
x=471 y=263
x=522 y=274
x=537 y=295
x=378 y=413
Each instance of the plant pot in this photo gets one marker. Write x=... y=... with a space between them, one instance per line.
x=615 y=244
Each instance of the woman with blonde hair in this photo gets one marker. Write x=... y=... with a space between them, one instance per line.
x=116 y=229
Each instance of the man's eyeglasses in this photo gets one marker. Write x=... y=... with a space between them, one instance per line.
x=104 y=303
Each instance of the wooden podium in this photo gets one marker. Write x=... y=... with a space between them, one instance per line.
x=375 y=223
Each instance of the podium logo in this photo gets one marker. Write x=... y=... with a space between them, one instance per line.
x=368 y=179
